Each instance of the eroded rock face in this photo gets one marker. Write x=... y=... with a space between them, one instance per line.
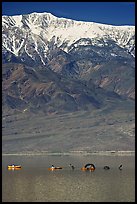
x=28 y=88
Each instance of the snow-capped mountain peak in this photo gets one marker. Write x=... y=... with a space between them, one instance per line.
x=34 y=33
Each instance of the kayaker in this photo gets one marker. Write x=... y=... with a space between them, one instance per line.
x=88 y=166
x=53 y=167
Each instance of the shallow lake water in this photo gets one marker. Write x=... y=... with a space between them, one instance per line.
x=34 y=183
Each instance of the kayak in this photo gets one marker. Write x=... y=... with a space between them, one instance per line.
x=55 y=168
x=14 y=166
x=88 y=169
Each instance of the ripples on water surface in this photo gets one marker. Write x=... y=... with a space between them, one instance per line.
x=35 y=183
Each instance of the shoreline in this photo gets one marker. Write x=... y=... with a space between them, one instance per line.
x=73 y=153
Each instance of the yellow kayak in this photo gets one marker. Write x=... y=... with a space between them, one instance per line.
x=14 y=166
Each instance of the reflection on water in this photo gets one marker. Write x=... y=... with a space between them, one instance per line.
x=35 y=183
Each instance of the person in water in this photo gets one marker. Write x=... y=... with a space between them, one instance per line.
x=72 y=166
x=106 y=167
x=52 y=166
x=120 y=167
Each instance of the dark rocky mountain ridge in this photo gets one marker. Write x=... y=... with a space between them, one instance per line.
x=27 y=88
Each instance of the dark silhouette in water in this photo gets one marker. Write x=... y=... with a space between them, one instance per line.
x=120 y=167
x=106 y=167
x=72 y=166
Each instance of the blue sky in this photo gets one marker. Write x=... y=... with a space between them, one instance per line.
x=115 y=13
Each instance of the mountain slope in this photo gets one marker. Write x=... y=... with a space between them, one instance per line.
x=38 y=89
x=67 y=85
x=88 y=131
x=86 y=51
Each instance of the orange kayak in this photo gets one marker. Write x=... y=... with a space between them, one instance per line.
x=55 y=168
x=88 y=169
